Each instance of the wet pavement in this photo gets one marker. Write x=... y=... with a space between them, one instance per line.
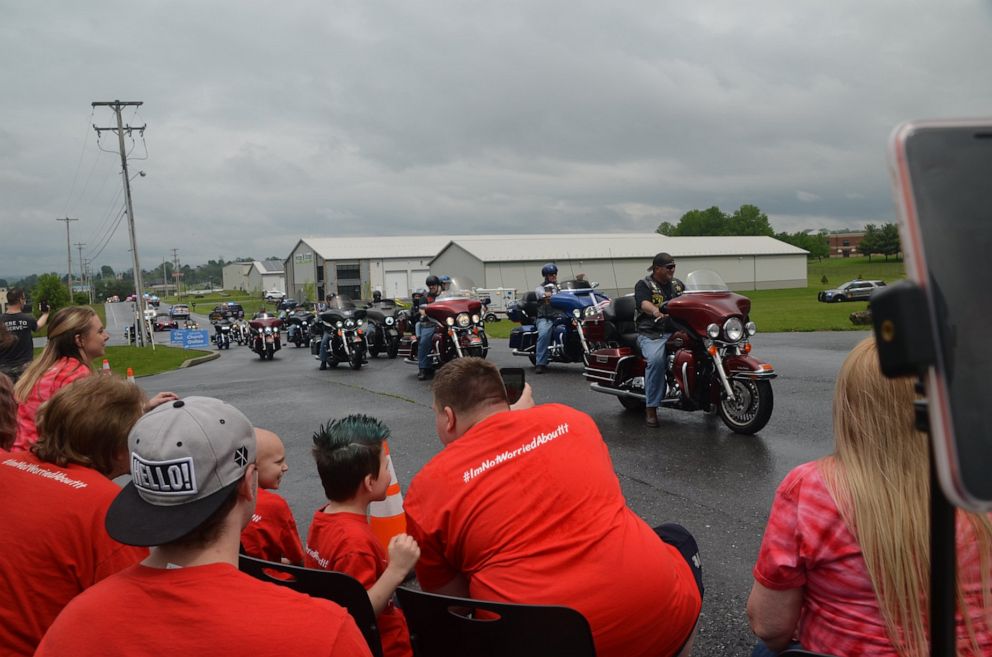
x=692 y=469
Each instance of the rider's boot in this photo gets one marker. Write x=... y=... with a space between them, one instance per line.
x=651 y=416
x=421 y=375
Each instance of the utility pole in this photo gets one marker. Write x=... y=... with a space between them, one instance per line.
x=118 y=106
x=82 y=269
x=176 y=275
x=68 y=252
x=88 y=277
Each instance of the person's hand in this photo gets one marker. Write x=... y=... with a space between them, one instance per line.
x=160 y=399
x=403 y=552
x=43 y=306
x=526 y=400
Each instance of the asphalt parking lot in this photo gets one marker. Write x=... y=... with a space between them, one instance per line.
x=692 y=469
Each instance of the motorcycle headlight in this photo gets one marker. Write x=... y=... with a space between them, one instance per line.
x=359 y=321
x=476 y=319
x=733 y=329
x=339 y=323
x=751 y=328
x=349 y=323
x=576 y=313
x=463 y=320
x=268 y=330
x=450 y=321
x=713 y=331
x=390 y=321
x=591 y=311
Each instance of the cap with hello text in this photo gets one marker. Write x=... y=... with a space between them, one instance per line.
x=661 y=260
x=186 y=457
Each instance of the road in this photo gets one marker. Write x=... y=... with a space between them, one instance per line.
x=691 y=470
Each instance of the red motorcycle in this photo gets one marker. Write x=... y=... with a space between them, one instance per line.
x=265 y=336
x=708 y=361
x=459 y=327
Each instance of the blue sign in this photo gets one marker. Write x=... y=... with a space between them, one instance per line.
x=190 y=338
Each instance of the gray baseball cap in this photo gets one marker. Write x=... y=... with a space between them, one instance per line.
x=186 y=458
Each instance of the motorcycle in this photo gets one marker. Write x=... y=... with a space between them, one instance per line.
x=382 y=333
x=299 y=328
x=265 y=337
x=240 y=332
x=346 y=323
x=577 y=303
x=459 y=329
x=222 y=333
x=709 y=366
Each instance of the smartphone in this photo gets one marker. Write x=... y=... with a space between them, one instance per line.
x=513 y=381
x=942 y=180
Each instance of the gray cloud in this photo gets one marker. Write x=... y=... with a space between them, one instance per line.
x=268 y=122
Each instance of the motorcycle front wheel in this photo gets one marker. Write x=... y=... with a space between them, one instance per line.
x=751 y=408
x=394 y=347
x=356 y=360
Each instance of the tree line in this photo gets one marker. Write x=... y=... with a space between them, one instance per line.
x=750 y=220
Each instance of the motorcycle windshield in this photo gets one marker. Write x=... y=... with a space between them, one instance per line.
x=341 y=302
x=705 y=280
x=576 y=286
x=461 y=287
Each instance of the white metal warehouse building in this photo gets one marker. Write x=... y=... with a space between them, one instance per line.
x=396 y=265
x=617 y=260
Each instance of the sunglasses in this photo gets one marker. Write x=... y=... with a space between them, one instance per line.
x=670 y=267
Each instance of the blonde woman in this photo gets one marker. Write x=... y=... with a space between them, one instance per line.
x=845 y=560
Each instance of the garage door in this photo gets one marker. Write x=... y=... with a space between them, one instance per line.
x=396 y=285
x=418 y=278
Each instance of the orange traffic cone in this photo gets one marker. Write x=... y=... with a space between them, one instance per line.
x=386 y=517
x=130 y=375
x=106 y=367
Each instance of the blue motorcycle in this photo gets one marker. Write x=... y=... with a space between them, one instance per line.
x=577 y=302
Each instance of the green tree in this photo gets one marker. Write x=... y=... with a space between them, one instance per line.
x=51 y=289
x=665 y=228
x=749 y=220
x=871 y=242
x=106 y=271
x=309 y=292
x=702 y=222
x=888 y=242
x=817 y=245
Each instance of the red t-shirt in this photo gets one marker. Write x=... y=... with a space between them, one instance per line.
x=527 y=506
x=62 y=373
x=53 y=544
x=271 y=533
x=200 y=610
x=807 y=544
x=344 y=542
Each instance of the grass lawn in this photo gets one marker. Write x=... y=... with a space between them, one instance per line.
x=144 y=361
x=211 y=300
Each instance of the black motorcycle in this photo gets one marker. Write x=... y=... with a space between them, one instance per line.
x=222 y=333
x=382 y=333
x=347 y=325
x=299 y=328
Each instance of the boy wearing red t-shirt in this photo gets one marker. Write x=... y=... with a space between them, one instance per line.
x=271 y=533
x=354 y=472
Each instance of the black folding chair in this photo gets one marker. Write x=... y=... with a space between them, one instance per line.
x=444 y=626
x=799 y=652
x=337 y=587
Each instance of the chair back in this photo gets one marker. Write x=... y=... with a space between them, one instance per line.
x=444 y=626
x=337 y=587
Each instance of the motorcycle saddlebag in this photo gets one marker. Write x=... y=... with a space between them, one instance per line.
x=522 y=337
x=606 y=359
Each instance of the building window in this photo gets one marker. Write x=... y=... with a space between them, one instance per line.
x=349 y=272
x=302 y=258
x=847 y=242
x=350 y=291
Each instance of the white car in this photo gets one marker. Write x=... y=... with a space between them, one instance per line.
x=275 y=295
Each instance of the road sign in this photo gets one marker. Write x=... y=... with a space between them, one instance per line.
x=189 y=338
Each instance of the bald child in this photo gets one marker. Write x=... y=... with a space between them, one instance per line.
x=271 y=533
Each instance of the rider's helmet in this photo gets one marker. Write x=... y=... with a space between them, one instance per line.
x=549 y=270
x=376 y=296
x=432 y=280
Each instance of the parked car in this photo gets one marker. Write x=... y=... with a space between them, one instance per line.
x=275 y=295
x=163 y=322
x=856 y=290
x=179 y=312
x=287 y=304
x=230 y=309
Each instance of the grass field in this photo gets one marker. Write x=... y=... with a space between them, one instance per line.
x=144 y=362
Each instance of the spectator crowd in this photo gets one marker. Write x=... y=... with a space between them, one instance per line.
x=521 y=504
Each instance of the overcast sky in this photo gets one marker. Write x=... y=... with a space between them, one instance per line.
x=271 y=121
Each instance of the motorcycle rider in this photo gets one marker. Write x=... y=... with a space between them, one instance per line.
x=376 y=296
x=325 y=339
x=425 y=328
x=654 y=328
x=546 y=314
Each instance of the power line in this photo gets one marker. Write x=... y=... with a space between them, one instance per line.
x=79 y=164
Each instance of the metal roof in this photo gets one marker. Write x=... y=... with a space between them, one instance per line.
x=504 y=248
x=507 y=248
x=269 y=266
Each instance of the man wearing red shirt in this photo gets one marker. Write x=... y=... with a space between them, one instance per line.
x=192 y=491
x=524 y=506
x=271 y=533
x=53 y=541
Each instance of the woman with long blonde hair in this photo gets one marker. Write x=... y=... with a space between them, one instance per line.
x=75 y=339
x=844 y=566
